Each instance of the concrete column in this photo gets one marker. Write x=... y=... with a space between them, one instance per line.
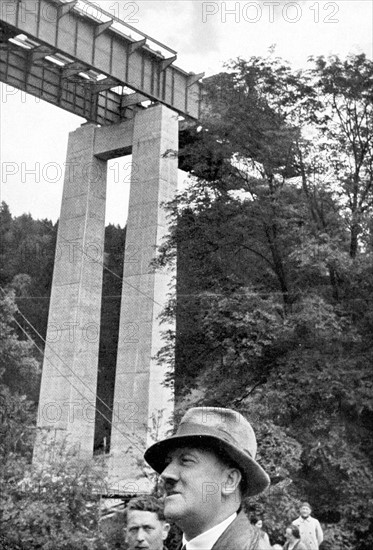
x=142 y=406
x=68 y=388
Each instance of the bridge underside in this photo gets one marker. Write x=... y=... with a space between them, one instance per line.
x=87 y=65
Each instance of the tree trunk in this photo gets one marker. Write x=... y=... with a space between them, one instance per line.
x=277 y=262
x=355 y=230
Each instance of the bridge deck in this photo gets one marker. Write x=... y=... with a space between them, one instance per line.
x=86 y=61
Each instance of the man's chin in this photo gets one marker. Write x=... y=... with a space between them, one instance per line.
x=172 y=506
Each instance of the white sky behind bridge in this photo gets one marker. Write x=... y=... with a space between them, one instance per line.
x=34 y=134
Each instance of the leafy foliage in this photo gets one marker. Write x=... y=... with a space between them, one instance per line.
x=18 y=367
x=53 y=508
x=273 y=239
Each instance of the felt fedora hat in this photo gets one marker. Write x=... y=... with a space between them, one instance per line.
x=217 y=429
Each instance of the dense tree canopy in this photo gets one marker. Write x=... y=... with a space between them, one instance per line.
x=274 y=292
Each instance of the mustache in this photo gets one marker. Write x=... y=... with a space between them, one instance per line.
x=168 y=487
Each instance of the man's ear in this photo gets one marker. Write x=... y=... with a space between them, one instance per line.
x=165 y=529
x=233 y=479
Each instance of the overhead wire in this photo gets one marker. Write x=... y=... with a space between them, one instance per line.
x=102 y=264
x=72 y=372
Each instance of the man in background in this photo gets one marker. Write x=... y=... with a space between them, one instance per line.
x=146 y=528
x=310 y=529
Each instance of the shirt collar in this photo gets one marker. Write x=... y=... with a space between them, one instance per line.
x=206 y=540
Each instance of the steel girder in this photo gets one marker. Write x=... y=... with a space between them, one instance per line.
x=86 y=64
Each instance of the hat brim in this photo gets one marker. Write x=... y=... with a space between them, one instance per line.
x=257 y=480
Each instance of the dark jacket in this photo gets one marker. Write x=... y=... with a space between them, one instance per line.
x=299 y=546
x=240 y=535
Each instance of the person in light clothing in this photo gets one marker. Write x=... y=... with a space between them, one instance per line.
x=310 y=529
x=207 y=468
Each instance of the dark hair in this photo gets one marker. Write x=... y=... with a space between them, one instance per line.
x=325 y=545
x=146 y=504
x=294 y=531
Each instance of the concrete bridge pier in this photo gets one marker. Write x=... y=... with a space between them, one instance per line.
x=142 y=406
x=69 y=379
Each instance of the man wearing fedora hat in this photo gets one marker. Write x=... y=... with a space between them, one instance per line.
x=207 y=468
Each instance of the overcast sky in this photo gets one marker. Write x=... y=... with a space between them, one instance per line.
x=205 y=34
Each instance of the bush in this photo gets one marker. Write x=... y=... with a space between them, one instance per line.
x=52 y=508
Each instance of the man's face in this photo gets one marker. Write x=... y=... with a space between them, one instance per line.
x=145 y=530
x=305 y=511
x=193 y=479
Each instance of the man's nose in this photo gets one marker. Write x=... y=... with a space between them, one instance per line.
x=170 y=473
x=140 y=534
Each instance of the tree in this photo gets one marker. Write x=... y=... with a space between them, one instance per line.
x=54 y=507
x=346 y=124
x=19 y=370
x=28 y=250
x=272 y=308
